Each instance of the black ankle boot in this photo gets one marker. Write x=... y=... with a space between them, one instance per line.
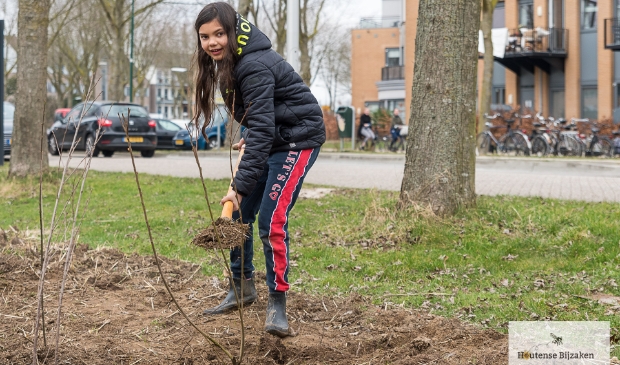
x=276 y=322
x=230 y=302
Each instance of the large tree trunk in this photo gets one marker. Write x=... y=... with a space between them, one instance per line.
x=486 y=26
x=440 y=161
x=31 y=96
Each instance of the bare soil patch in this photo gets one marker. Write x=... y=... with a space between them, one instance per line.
x=116 y=311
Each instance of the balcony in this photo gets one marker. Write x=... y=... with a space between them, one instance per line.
x=530 y=48
x=393 y=73
x=612 y=34
x=385 y=22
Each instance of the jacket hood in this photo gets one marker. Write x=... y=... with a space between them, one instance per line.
x=249 y=38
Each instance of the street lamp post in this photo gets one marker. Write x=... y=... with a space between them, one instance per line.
x=292 y=34
x=131 y=57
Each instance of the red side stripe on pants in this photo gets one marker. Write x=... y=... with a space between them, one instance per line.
x=278 y=219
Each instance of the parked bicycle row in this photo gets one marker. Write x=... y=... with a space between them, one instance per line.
x=548 y=136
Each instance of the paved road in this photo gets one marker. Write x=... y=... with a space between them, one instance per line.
x=589 y=180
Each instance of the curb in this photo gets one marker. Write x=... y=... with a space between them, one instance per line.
x=483 y=160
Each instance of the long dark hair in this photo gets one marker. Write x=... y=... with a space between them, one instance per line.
x=211 y=74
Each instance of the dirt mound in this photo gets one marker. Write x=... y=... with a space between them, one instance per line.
x=116 y=311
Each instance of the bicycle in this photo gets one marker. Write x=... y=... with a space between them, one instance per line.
x=398 y=138
x=616 y=143
x=595 y=145
x=511 y=143
x=540 y=139
x=566 y=141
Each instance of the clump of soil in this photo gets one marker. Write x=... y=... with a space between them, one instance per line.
x=116 y=311
x=224 y=233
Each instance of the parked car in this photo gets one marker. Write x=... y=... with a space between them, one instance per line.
x=218 y=123
x=60 y=114
x=104 y=114
x=166 y=130
x=9 y=112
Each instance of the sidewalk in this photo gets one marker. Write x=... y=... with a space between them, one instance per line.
x=480 y=160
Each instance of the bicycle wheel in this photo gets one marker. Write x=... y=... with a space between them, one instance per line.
x=602 y=148
x=540 y=147
x=508 y=145
x=568 y=146
x=522 y=147
x=483 y=144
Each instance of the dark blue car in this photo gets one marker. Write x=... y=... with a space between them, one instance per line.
x=218 y=124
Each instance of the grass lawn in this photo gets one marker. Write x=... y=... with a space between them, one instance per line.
x=508 y=259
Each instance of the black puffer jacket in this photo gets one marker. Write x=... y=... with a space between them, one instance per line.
x=282 y=114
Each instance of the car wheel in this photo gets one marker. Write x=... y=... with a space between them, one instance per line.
x=107 y=153
x=212 y=143
x=52 y=146
x=147 y=153
x=90 y=147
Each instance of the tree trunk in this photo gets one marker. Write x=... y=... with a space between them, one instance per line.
x=440 y=161
x=244 y=7
x=31 y=96
x=486 y=26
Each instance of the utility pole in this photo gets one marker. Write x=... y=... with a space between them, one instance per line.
x=292 y=34
x=131 y=57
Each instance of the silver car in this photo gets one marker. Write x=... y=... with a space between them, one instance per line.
x=9 y=111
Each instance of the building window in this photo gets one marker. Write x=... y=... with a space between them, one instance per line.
x=499 y=16
x=589 y=103
x=392 y=57
x=165 y=94
x=499 y=95
x=158 y=109
x=588 y=14
x=399 y=104
x=557 y=103
x=526 y=16
x=556 y=13
x=158 y=92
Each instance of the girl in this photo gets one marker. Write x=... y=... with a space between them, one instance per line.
x=284 y=133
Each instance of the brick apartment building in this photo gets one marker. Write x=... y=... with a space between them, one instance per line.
x=559 y=57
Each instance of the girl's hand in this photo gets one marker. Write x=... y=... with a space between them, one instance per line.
x=234 y=198
x=239 y=145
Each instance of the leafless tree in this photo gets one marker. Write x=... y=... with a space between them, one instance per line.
x=486 y=25
x=335 y=71
x=310 y=12
x=276 y=16
x=440 y=159
x=117 y=15
x=76 y=51
x=32 y=24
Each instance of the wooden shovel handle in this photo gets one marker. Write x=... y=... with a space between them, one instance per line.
x=228 y=206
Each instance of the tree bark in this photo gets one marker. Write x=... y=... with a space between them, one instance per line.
x=440 y=160
x=31 y=96
x=244 y=8
x=486 y=25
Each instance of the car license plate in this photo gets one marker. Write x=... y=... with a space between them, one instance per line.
x=134 y=139
x=179 y=142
